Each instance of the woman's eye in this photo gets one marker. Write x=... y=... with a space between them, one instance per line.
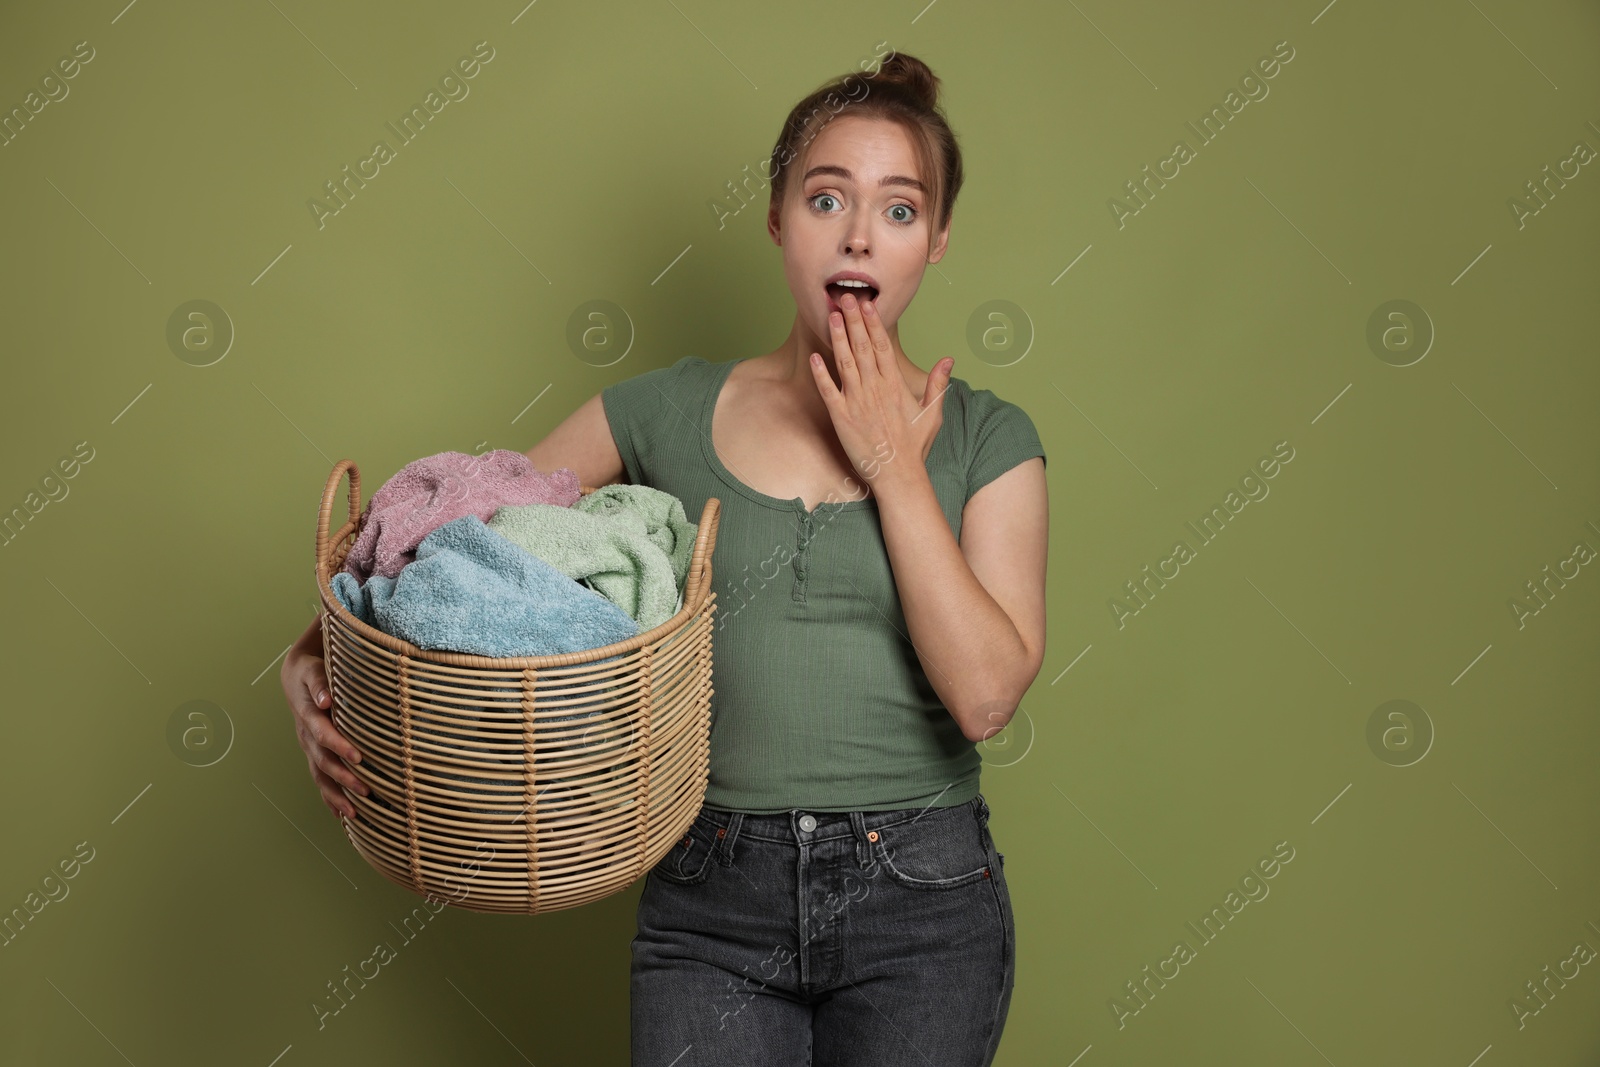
x=824 y=202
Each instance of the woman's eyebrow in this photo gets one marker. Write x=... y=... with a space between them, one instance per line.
x=841 y=172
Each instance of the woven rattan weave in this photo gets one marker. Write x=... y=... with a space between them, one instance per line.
x=527 y=784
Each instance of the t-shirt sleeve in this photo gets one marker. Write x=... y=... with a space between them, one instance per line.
x=635 y=410
x=1002 y=437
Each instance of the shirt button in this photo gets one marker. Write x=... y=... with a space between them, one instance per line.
x=807 y=823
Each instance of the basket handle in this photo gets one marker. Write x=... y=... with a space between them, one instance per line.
x=704 y=544
x=326 y=511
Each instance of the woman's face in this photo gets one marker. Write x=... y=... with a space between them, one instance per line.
x=856 y=202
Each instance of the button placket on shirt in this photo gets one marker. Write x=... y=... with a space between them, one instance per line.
x=802 y=542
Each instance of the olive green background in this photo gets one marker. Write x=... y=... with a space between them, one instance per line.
x=1436 y=870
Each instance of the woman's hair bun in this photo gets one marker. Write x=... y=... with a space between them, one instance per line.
x=913 y=75
x=900 y=89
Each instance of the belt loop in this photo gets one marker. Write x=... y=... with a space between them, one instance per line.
x=858 y=823
x=725 y=837
x=981 y=806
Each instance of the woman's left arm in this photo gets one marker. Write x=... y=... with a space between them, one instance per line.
x=975 y=610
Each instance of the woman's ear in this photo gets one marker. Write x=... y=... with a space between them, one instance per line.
x=775 y=224
x=937 y=252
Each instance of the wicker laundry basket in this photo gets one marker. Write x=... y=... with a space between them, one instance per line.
x=520 y=785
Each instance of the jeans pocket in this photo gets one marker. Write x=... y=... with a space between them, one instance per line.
x=938 y=850
x=689 y=861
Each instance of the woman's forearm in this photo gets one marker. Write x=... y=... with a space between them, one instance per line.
x=969 y=648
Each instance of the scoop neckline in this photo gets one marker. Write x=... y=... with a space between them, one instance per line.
x=708 y=411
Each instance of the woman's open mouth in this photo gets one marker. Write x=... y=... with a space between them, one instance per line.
x=835 y=291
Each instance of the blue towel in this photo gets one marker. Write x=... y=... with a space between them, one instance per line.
x=471 y=590
x=613 y=556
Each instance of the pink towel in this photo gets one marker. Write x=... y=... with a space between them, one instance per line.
x=432 y=491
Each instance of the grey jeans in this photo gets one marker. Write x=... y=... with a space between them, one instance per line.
x=876 y=938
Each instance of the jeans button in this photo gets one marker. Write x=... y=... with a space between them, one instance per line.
x=807 y=823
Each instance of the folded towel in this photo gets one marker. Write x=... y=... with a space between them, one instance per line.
x=664 y=521
x=427 y=493
x=611 y=553
x=471 y=590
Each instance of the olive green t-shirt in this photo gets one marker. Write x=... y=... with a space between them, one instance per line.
x=819 y=701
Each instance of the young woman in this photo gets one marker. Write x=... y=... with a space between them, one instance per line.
x=880 y=570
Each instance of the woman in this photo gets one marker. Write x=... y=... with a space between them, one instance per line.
x=838 y=899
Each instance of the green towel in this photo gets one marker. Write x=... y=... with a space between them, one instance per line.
x=664 y=521
x=632 y=548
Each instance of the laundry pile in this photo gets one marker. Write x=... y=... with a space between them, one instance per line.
x=487 y=555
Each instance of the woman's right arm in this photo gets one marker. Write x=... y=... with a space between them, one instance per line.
x=582 y=442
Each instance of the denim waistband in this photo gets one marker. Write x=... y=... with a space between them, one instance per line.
x=788 y=828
